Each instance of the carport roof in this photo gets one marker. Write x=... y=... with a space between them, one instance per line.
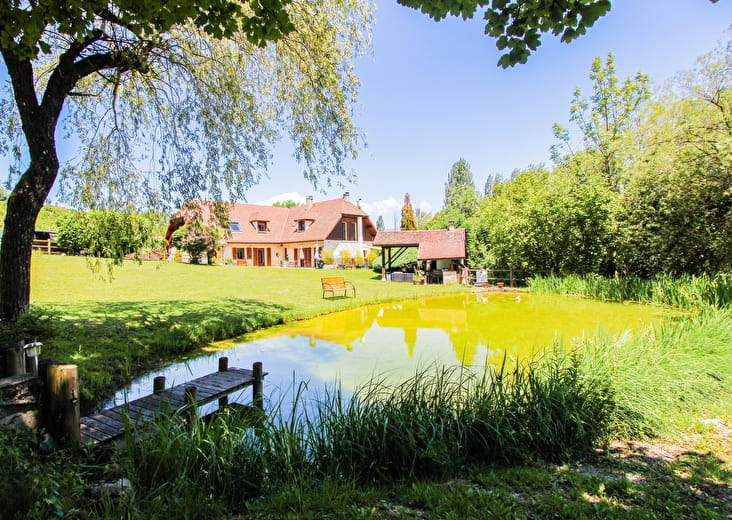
x=436 y=244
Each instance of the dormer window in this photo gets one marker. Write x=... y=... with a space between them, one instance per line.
x=302 y=225
x=262 y=226
x=234 y=226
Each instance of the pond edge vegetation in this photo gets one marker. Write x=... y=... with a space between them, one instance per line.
x=440 y=425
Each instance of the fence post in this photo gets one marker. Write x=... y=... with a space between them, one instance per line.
x=510 y=276
x=159 y=385
x=191 y=397
x=62 y=411
x=258 y=385
x=223 y=364
x=15 y=359
x=223 y=367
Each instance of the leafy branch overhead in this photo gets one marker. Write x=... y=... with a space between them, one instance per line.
x=24 y=23
x=518 y=25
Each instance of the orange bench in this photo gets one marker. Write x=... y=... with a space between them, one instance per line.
x=337 y=283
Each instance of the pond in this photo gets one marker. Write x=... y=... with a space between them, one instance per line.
x=395 y=340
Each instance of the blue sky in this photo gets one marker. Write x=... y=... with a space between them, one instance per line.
x=431 y=94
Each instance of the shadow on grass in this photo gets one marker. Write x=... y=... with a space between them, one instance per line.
x=114 y=342
x=633 y=484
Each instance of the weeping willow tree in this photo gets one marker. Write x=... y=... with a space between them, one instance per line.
x=167 y=102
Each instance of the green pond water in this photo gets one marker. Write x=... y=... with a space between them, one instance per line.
x=397 y=339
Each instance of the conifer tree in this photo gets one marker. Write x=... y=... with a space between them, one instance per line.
x=409 y=222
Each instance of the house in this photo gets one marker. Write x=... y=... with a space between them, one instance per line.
x=273 y=236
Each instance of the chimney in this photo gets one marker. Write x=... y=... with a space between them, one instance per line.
x=451 y=225
x=309 y=202
x=358 y=203
x=345 y=196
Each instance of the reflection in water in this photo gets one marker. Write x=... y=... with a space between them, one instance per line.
x=395 y=340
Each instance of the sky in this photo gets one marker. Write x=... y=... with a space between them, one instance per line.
x=431 y=94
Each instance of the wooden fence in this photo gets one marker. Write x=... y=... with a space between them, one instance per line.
x=509 y=277
x=48 y=246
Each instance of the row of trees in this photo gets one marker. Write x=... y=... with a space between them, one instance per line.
x=115 y=235
x=110 y=234
x=648 y=191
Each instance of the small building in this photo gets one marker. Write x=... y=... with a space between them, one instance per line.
x=260 y=235
x=441 y=251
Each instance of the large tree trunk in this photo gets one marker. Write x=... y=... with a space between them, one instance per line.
x=39 y=127
x=31 y=190
x=24 y=204
x=15 y=261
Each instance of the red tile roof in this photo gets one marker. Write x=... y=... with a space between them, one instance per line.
x=282 y=223
x=434 y=244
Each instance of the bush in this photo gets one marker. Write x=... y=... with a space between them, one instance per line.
x=345 y=257
x=372 y=255
x=195 y=240
x=359 y=260
x=108 y=234
x=406 y=262
x=326 y=256
x=34 y=485
x=73 y=232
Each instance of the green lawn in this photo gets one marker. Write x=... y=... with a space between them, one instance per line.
x=120 y=323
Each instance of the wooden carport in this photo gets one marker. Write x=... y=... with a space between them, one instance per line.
x=432 y=245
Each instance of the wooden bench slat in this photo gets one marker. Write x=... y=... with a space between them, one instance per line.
x=331 y=284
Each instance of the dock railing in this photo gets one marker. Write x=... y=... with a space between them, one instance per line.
x=492 y=277
x=108 y=426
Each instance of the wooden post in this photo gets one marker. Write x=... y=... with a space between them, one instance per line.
x=223 y=367
x=257 y=386
x=62 y=409
x=191 y=396
x=15 y=360
x=223 y=364
x=510 y=276
x=159 y=385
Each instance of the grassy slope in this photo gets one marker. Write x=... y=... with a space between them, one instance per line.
x=46 y=218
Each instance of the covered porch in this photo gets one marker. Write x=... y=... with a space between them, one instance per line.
x=441 y=254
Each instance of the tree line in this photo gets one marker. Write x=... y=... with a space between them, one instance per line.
x=646 y=191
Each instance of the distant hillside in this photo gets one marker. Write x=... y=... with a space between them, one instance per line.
x=46 y=219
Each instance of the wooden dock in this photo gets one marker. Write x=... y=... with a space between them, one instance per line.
x=108 y=426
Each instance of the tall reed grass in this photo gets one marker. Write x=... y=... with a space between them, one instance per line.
x=667 y=378
x=684 y=292
x=430 y=426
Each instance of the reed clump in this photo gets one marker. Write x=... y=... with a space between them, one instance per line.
x=690 y=292
x=431 y=426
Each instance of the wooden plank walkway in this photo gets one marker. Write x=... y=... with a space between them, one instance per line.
x=109 y=425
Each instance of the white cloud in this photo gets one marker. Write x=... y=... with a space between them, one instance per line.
x=381 y=207
x=425 y=206
x=283 y=197
x=389 y=209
